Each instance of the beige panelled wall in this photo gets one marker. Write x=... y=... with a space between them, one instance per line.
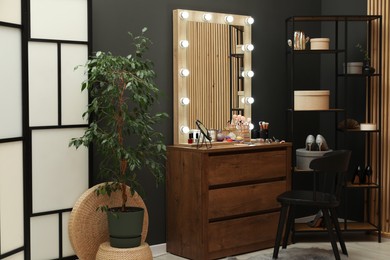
x=382 y=7
x=210 y=84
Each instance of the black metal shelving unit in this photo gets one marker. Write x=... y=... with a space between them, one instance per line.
x=236 y=63
x=343 y=92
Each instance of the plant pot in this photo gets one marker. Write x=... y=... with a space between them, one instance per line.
x=125 y=227
x=367 y=69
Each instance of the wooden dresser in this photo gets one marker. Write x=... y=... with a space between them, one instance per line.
x=222 y=201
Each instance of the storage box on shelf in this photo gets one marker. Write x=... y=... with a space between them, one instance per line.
x=311 y=100
x=319 y=44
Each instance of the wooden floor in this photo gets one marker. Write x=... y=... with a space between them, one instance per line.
x=360 y=247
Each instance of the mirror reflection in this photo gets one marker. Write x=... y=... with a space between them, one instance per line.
x=212 y=69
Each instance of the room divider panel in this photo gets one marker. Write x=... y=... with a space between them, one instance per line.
x=57 y=43
x=41 y=104
x=11 y=131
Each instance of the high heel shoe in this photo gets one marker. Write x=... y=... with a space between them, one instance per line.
x=368 y=174
x=317 y=221
x=321 y=142
x=362 y=175
x=357 y=175
x=309 y=142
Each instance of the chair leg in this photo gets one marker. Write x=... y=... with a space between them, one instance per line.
x=329 y=227
x=282 y=220
x=290 y=222
x=336 y=224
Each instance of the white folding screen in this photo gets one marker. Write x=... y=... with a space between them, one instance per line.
x=11 y=196
x=57 y=44
x=17 y=256
x=58 y=172
x=11 y=132
x=44 y=237
x=74 y=103
x=43 y=83
x=10 y=82
x=41 y=106
x=59 y=19
x=66 y=246
x=10 y=11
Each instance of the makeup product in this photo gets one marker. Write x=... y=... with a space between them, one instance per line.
x=191 y=138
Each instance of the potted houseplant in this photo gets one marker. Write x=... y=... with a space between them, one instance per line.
x=367 y=69
x=122 y=93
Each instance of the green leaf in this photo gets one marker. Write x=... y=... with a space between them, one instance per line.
x=123 y=95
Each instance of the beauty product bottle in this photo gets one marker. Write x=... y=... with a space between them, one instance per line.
x=245 y=133
x=190 y=138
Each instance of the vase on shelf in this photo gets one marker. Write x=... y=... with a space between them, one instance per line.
x=367 y=69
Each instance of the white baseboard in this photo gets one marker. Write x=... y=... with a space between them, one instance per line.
x=158 y=250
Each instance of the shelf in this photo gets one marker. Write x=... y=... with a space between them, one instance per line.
x=327 y=110
x=358 y=226
x=237 y=55
x=358 y=75
x=302 y=171
x=357 y=131
x=330 y=18
x=349 y=185
x=314 y=51
x=351 y=226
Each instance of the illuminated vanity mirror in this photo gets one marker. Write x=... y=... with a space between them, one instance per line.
x=211 y=69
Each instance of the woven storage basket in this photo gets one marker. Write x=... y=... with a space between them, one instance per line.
x=88 y=228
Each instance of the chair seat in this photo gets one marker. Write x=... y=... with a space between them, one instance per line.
x=306 y=198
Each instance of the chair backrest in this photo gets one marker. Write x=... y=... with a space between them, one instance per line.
x=334 y=163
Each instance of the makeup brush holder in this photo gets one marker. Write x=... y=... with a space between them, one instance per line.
x=264 y=133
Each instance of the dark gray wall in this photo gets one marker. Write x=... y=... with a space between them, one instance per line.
x=113 y=19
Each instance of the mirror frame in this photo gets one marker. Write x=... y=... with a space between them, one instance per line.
x=180 y=112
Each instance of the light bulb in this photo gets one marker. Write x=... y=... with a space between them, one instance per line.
x=184 y=15
x=184 y=72
x=229 y=19
x=249 y=20
x=248 y=74
x=184 y=101
x=207 y=17
x=184 y=43
x=248 y=47
x=184 y=129
x=247 y=100
x=251 y=126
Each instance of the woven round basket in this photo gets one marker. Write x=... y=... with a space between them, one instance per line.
x=106 y=252
x=88 y=228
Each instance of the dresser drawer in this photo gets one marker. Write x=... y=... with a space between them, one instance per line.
x=241 y=167
x=258 y=231
x=244 y=199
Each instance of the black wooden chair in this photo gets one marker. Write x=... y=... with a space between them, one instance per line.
x=326 y=197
